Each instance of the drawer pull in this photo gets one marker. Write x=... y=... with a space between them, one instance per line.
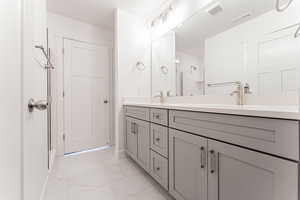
x=203 y=157
x=136 y=128
x=212 y=161
x=157 y=139
x=157 y=168
x=132 y=127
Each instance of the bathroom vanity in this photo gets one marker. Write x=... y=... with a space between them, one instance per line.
x=214 y=152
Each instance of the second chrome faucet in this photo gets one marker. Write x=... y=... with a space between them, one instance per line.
x=240 y=91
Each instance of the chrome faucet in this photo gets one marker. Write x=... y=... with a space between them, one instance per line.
x=240 y=95
x=161 y=96
x=240 y=91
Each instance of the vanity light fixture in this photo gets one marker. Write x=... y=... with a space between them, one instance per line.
x=179 y=25
x=163 y=17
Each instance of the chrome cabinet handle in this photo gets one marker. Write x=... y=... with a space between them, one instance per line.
x=133 y=127
x=136 y=128
x=212 y=161
x=283 y=7
x=203 y=157
x=297 y=34
x=39 y=105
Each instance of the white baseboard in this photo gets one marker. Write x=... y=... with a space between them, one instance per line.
x=120 y=154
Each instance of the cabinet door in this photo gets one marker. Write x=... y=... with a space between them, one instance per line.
x=235 y=173
x=187 y=166
x=131 y=137
x=143 y=143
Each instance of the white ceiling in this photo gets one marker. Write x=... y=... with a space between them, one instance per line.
x=100 y=12
x=192 y=34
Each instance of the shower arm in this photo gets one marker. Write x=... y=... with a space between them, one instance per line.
x=49 y=64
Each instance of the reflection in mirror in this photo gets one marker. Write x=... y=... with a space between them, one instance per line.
x=245 y=41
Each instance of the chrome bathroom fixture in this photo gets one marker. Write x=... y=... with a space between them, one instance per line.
x=282 y=8
x=240 y=90
x=160 y=95
x=39 y=105
x=164 y=69
x=223 y=84
x=193 y=68
x=297 y=34
x=49 y=64
x=140 y=66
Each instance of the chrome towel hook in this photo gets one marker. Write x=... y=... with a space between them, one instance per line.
x=297 y=34
x=164 y=70
x=140 y=66
x=283 y=7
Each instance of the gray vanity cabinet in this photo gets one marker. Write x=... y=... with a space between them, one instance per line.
x=239 y=174
x=204 y=156
x=138 y=141
x=143 y=143
x=131 y=137
x=187 y=166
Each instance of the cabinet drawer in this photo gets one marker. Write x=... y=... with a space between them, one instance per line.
x=159 y=139
x=138 y=112
x=159 y=169
x=278 y=137
x=159 y=116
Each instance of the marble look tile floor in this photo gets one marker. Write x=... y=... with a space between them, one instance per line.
x=100 y=175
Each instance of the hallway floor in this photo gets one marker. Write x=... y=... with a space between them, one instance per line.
x=100 y=176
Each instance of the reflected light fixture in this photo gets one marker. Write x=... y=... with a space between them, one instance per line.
x=163 y=17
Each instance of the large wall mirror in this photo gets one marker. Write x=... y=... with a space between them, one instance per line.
x=248 y=41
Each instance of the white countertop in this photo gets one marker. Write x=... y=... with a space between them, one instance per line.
x=279 y=112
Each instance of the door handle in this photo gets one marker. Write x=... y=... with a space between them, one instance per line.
x=203 y=157
x=106 y=101
x=213 y=161
x=39 y=105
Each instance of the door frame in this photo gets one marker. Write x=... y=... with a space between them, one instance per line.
x=61 y=75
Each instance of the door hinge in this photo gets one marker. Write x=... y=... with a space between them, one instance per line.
x=64 y=137
x=63 y=51
x=63 y=94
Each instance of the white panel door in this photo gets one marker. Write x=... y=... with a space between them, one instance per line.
x=273 y=62
x=86 y=86
x=35 y=151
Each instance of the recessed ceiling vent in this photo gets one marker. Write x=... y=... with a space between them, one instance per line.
x=215 y=9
